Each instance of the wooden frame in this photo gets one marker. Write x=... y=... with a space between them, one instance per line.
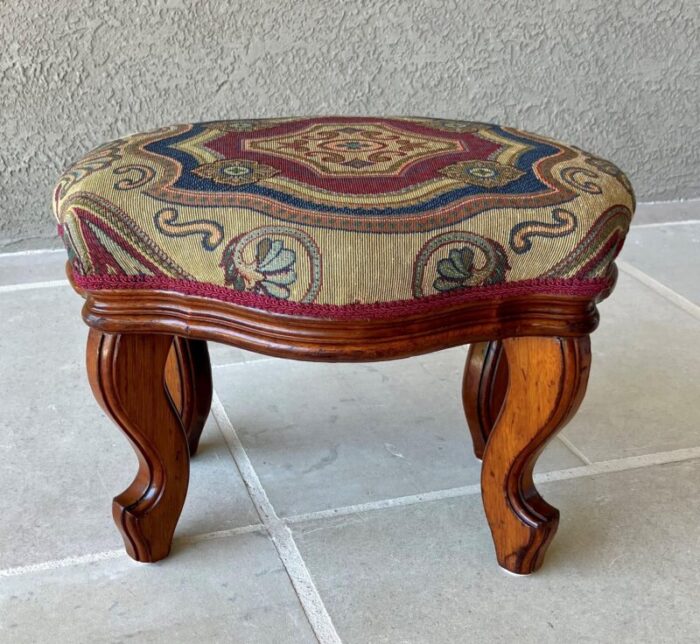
x=525 y=376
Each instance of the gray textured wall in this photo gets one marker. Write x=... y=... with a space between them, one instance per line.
x=618 y=77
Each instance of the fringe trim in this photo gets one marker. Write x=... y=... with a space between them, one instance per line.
x=355 y=310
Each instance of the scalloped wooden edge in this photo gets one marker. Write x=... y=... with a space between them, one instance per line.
x=320 y=339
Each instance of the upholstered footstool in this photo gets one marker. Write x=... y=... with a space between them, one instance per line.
x=342 y=239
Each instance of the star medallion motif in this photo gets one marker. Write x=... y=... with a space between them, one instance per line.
x=485 y=174
x=235 y=172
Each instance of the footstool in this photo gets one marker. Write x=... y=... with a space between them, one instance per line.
x=342 y=239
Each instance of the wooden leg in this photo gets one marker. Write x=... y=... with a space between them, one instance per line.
x=483 y=390
x=127 y=375
x=546 y=382
x=189 y=385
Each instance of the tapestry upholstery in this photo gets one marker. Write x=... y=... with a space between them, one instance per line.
x=336 y=216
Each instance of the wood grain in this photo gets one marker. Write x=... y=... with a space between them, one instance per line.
x=483 y=390
x=525 y=376
x=361 y=340
x=546 y=382
x=127 y=375
x=189 y=385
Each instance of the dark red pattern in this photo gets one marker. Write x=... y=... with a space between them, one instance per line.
x=100 y=257
x=230 y=145
x=376 y=310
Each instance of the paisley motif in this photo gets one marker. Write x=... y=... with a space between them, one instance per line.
x=166 y=221
x=612 y=170
x=580 y=178
x=343 y=212
x=456 y=260
x=265 y=261
x=100 y=158
x=142 y=174
x=108 y=241
x=593 y=256
x=521 y=235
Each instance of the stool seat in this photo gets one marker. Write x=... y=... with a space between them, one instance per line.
x=342 y=239
x=343 y=216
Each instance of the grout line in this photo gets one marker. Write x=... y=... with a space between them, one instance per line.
x=574 y=450
x=67 y=562
x=661 y=289
x=660 y=224
x=594 y=469
x=39 y=251
x=412 y=499
x=220 y=534
x=280 y=534
x=28 y=286
x=62 y=563
x=620 y=465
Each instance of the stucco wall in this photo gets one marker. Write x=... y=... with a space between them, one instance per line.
x=619 y=78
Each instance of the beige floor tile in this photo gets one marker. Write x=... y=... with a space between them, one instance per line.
x=62 y=459
x=328 y=435
x=670 y=254
x=227 y=590
x=623 y=568
x=663 y=212
x=36 y=267
x=643 y=390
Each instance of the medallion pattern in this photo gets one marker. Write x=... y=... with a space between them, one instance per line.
x=374 y=175
x=487 y=174
x=343 y=211
x=350 y=150
x=235 y=172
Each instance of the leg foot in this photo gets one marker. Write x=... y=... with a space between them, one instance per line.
x=483 y=390
x=127 y=375
x=546 y=382
x=189 y=385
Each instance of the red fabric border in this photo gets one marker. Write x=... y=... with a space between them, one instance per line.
x=230 y=145
x=376 y=310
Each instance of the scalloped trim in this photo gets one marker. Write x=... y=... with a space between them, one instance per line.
x=357 y=310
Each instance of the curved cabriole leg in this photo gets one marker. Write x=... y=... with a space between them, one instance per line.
x=189 y=385
x=127 y=376
x=483 y=390
x=546 y=382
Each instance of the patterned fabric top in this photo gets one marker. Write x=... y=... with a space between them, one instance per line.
x=336 y=216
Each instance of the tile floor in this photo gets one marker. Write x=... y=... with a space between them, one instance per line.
x=340 y=503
